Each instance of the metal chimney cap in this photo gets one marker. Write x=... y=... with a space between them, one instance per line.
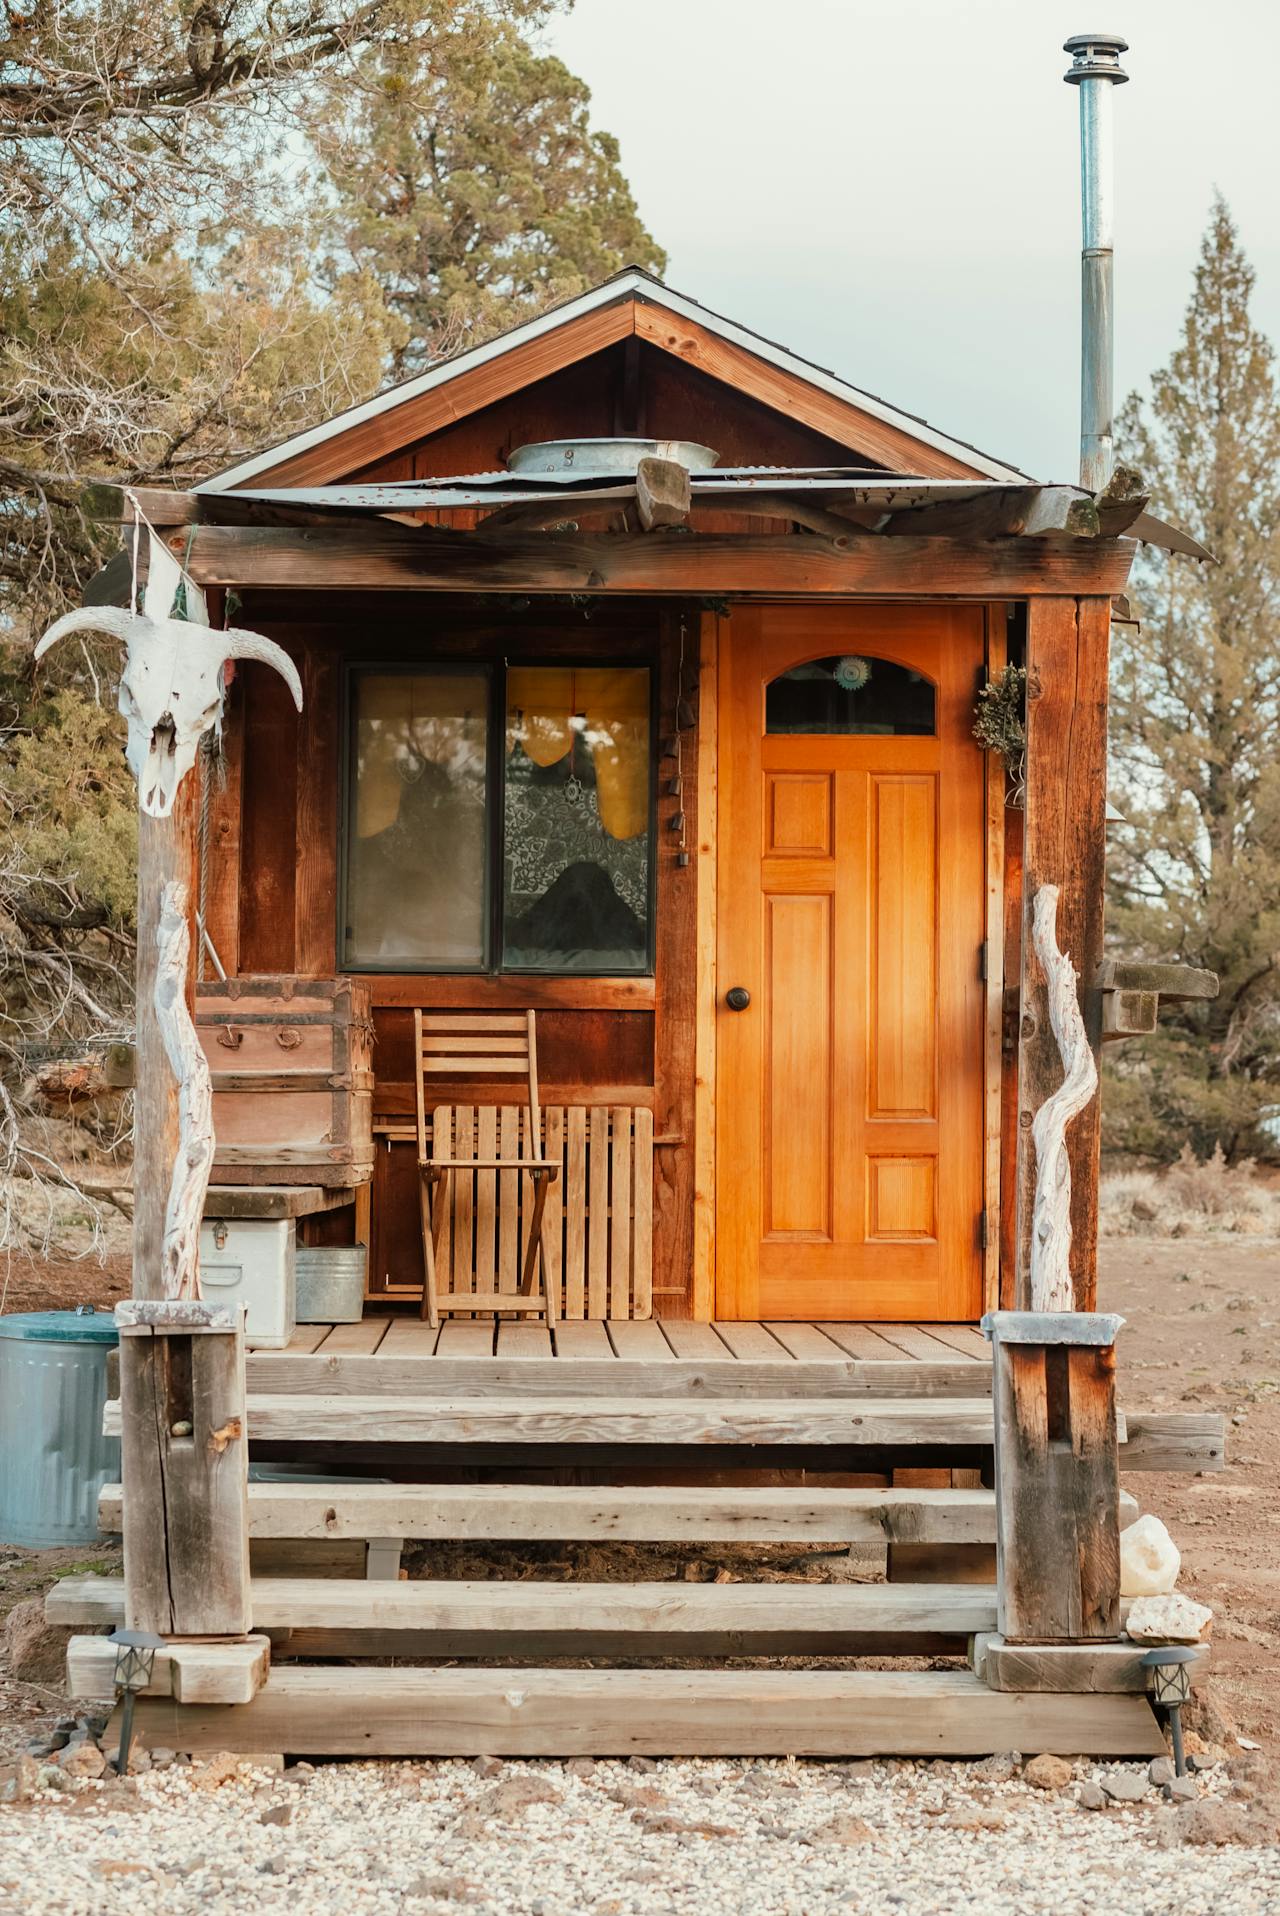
x=1095 y=56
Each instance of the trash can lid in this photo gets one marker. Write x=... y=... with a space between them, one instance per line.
x=86 y=1326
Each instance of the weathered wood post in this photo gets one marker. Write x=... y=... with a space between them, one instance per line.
x=185 y=1469
x=182 y=1381
x=1057 y=1478
x=1057 y=1475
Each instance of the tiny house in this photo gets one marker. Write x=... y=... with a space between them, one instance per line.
x=705 y=796
x=631 y=903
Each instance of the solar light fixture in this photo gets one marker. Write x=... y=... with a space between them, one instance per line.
x=135 y=1661
x=1169 y=1683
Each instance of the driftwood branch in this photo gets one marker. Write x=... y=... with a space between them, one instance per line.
x=1051 y=1287
x=180 y=1250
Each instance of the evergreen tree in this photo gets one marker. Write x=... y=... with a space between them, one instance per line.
x=1196 y=732
x=473 y=189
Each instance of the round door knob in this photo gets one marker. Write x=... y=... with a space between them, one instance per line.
x=738 y=998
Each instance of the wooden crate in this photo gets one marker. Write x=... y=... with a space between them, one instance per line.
x=291 y=1060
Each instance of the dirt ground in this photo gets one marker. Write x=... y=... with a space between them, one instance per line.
x=1203 y=1318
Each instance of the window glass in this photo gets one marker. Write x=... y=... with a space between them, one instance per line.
x=577 y=837
x=850 y=694
x=417 y=837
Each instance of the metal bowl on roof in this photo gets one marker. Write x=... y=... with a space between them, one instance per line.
x=599 y=458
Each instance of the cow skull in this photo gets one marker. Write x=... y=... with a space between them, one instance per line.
x=171 y=688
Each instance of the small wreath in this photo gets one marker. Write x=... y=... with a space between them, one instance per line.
x=1000 y=725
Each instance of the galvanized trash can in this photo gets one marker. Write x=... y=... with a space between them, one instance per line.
x=330 y=1281
x=55 y=1459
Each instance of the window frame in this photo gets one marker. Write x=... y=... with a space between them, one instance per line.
x=493 y=666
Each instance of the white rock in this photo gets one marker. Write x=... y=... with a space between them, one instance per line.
x=1149 y=1559
x=1168 y=1619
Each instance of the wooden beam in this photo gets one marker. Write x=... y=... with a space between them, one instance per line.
x=1064 y=844
x=184 y=1465
x=627 y=1611
x=1174 y=982
x=612 y=1420
x=1064 y=1668
x=1174 y=1440
x=379 y=558
x=459 y=1712
x=329 y=1373
x=1129 y=1014
x=225 y=1673
x=670 y=1513
x=1057 y=1484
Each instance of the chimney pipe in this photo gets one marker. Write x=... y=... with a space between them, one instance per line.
x=1095 y=69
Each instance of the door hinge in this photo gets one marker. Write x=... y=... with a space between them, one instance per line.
x=984 y=960
x=984 y=1229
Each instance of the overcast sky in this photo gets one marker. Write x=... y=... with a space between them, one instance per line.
x=892 y=188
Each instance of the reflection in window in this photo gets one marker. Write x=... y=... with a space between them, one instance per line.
x=577 y=837
x=416 y=854
x=850 y=694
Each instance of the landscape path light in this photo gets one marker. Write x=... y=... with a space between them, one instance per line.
x=1169 y=1682
x=135 y=1661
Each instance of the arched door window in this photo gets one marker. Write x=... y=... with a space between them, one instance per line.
x=851 y=694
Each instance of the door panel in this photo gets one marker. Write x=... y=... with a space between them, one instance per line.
x=851 y=908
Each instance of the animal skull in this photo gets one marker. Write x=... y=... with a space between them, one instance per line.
x=171 y=688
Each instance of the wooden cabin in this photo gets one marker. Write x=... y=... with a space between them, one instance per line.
x=681 y=758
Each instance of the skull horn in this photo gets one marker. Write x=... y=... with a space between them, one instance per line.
x=238 y=644
x=113 y=619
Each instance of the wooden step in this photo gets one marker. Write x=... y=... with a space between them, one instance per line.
x=1149 y=1440
x=890 y=1422
x=531 y=1513
x=478 y=1712
x=513 y=1618
x=395 y=1372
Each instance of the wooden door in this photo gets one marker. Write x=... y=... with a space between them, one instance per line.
x=851 y=910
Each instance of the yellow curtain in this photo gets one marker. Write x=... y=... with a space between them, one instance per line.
x=611 y=706
x=402 y=715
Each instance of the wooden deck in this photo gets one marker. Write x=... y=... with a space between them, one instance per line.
x=619 y=1358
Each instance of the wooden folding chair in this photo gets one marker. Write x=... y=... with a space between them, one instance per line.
x=461 y=1045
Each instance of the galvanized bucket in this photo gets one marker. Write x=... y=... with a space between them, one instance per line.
x=53 y=1385
x=330 y=1283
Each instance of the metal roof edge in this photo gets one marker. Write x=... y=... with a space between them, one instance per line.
x=628 y=281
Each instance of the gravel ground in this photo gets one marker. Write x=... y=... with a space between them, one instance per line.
x=553 y=1839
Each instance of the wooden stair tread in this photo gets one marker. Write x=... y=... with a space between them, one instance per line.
x=569 y=1420
x=521 y=1608
x=334 y=1711
x=616 y=1513
x=577 y=1370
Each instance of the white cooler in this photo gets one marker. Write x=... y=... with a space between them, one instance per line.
x=250 y=1261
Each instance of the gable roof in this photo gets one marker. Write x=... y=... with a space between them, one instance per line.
x=631 y=302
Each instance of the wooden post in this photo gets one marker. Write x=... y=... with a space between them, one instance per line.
x=1057 y=1475
x=1064 y=844
x=166 y=851
x=184 y=1463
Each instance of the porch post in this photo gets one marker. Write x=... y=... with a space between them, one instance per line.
x=1057 y=1475
x=1064 y=845
x=166 y=851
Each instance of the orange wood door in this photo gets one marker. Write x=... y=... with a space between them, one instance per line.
x=849 y=1115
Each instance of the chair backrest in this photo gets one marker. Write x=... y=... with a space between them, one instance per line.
x=463 y=1045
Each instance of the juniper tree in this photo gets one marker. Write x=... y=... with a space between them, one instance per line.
x=1196 y=731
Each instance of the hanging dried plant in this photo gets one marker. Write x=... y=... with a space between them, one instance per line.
x=1000 y=725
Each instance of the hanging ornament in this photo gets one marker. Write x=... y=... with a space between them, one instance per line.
x=410 y=766
x=851 y=673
